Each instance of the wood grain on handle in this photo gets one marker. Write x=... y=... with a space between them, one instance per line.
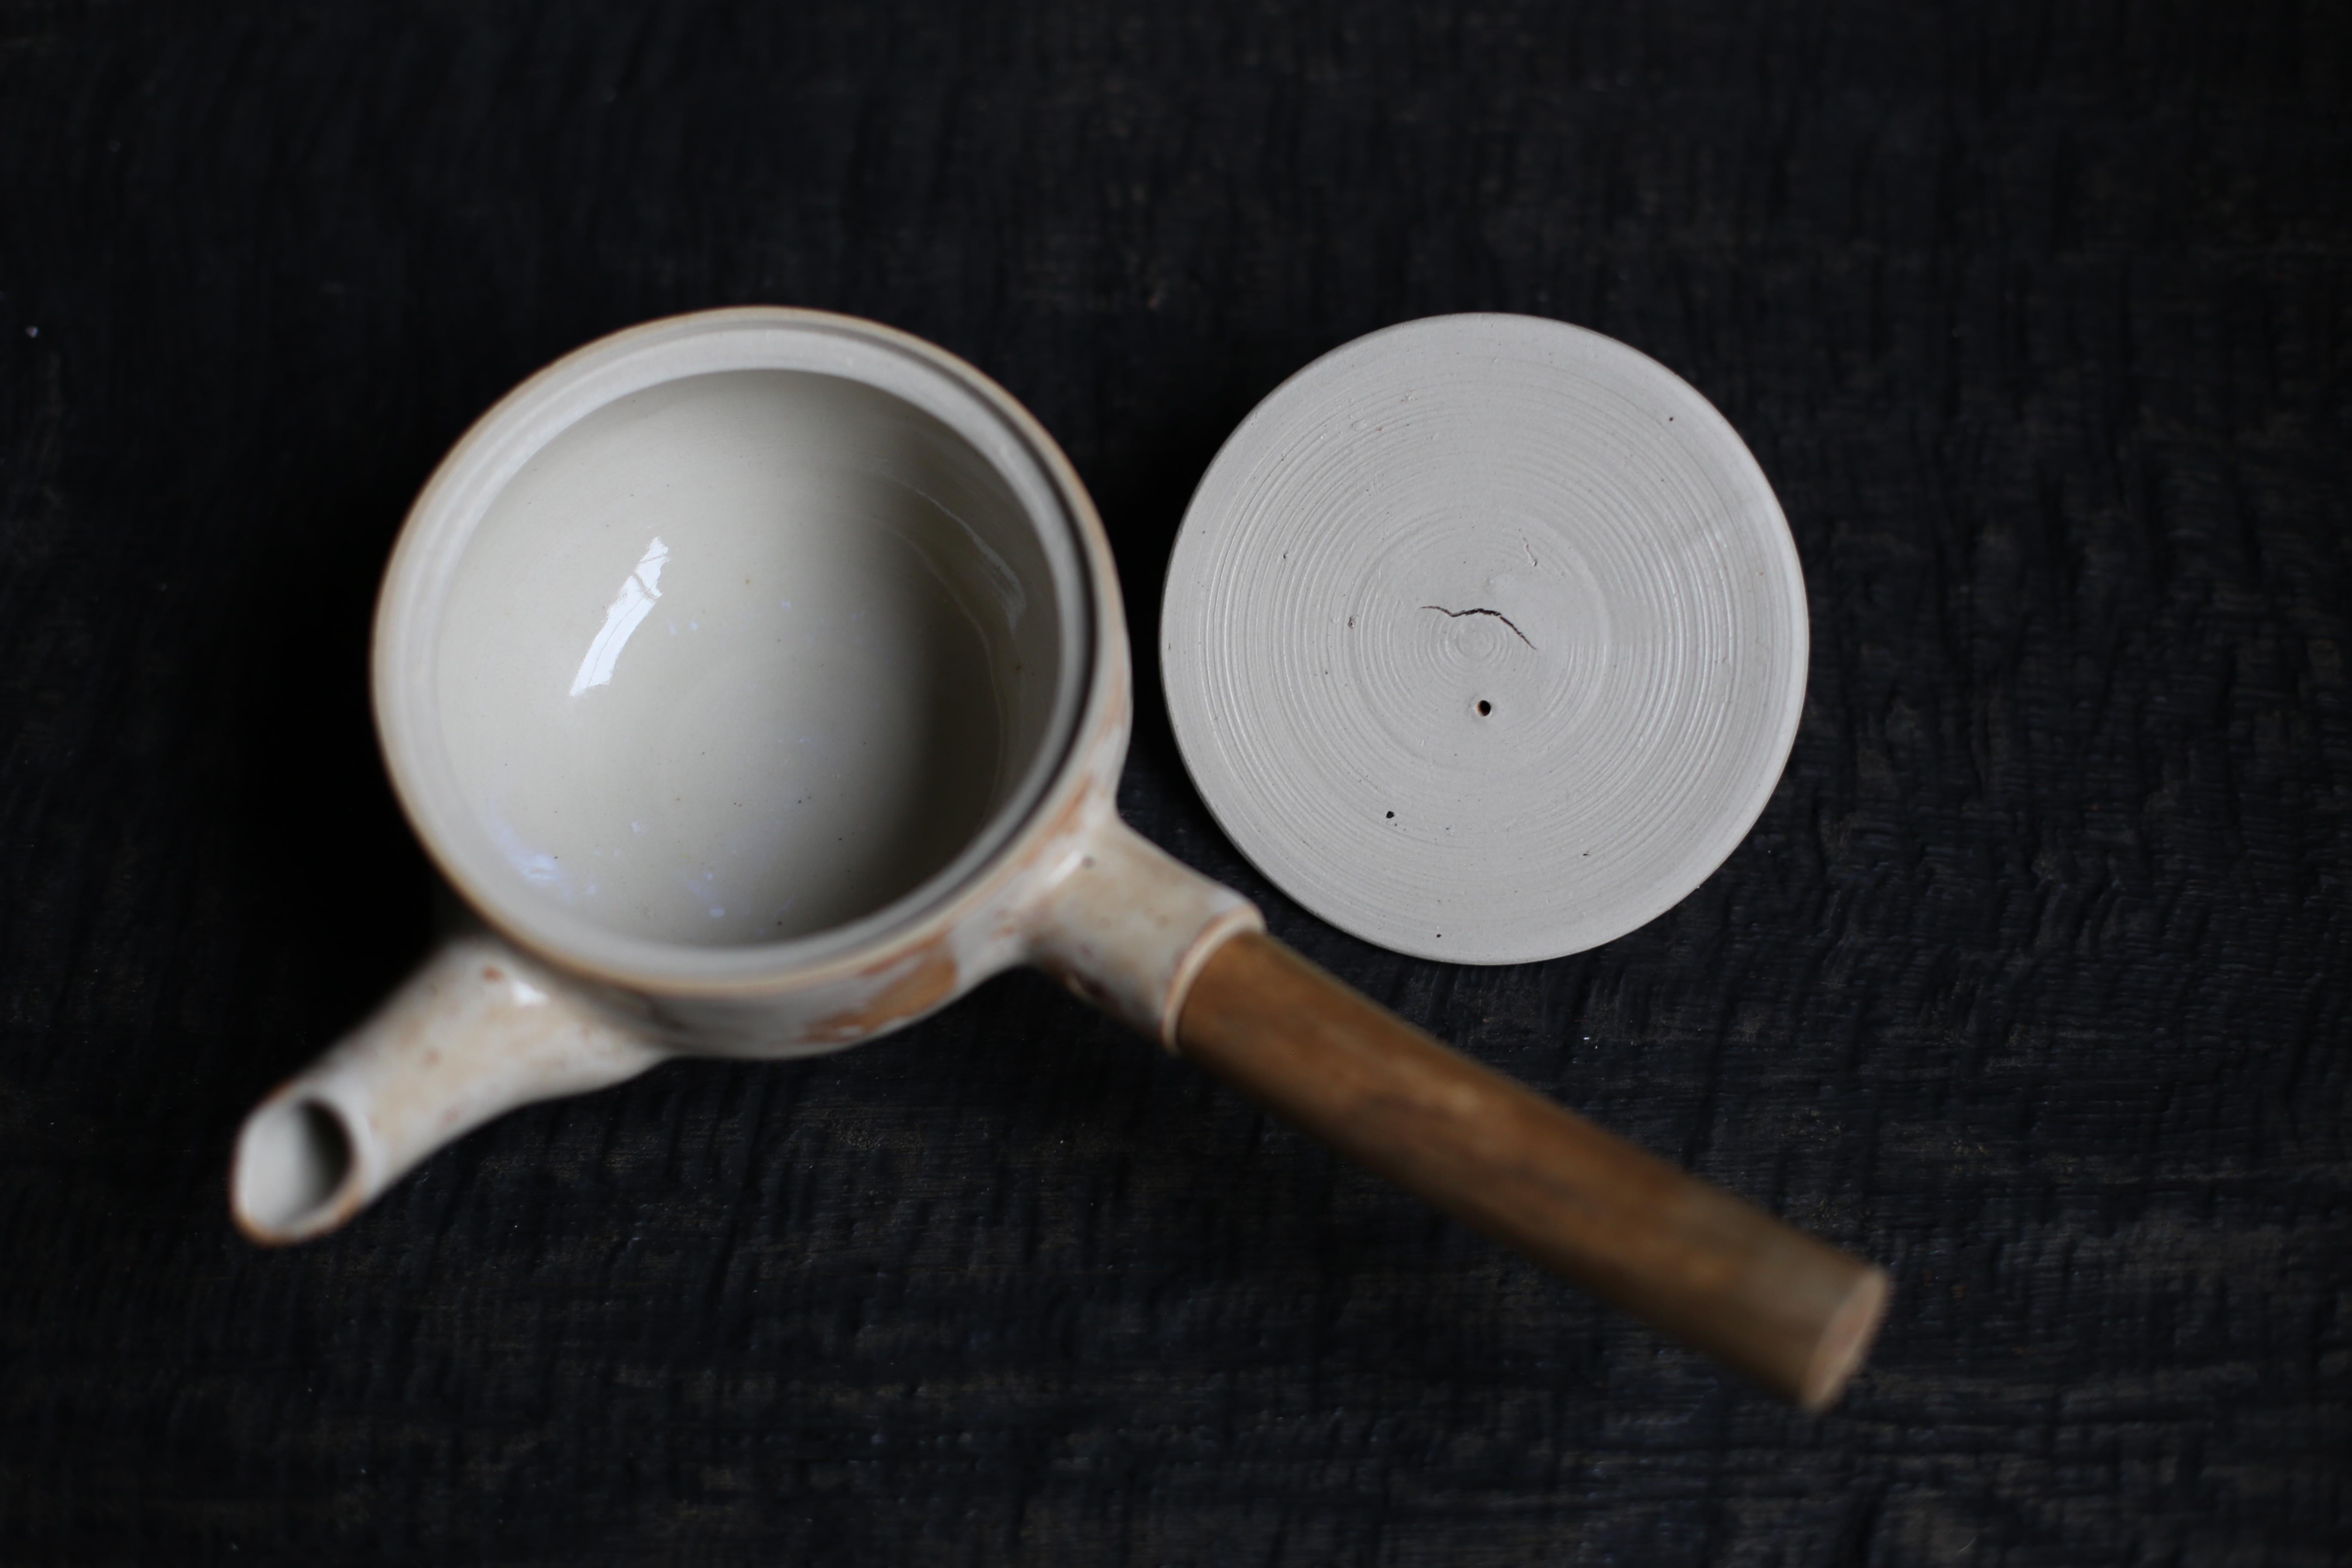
x=1714 y=1270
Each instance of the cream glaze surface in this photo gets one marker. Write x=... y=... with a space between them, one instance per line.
x=743 y=656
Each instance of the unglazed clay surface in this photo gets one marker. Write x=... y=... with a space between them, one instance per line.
x=1485 y=638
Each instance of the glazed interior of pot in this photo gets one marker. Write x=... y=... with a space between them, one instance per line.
x=744 y=657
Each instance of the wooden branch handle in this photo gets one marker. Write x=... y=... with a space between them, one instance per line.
x=1715 y=1271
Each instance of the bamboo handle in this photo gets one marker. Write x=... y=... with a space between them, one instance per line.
x=1687 y=1258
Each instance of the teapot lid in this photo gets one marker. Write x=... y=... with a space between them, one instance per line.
x=1485 y=638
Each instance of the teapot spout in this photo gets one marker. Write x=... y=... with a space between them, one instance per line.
x=473 y=1033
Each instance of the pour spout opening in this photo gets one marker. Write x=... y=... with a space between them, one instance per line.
x=297 y=1172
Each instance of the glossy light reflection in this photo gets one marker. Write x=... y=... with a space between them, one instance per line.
x=622 y=617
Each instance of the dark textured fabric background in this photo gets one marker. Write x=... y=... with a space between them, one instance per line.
x=2030 y=982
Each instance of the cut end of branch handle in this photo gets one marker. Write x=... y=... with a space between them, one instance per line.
x=1846 y=1342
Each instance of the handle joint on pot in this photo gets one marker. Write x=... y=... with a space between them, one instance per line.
x=1126 y=927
